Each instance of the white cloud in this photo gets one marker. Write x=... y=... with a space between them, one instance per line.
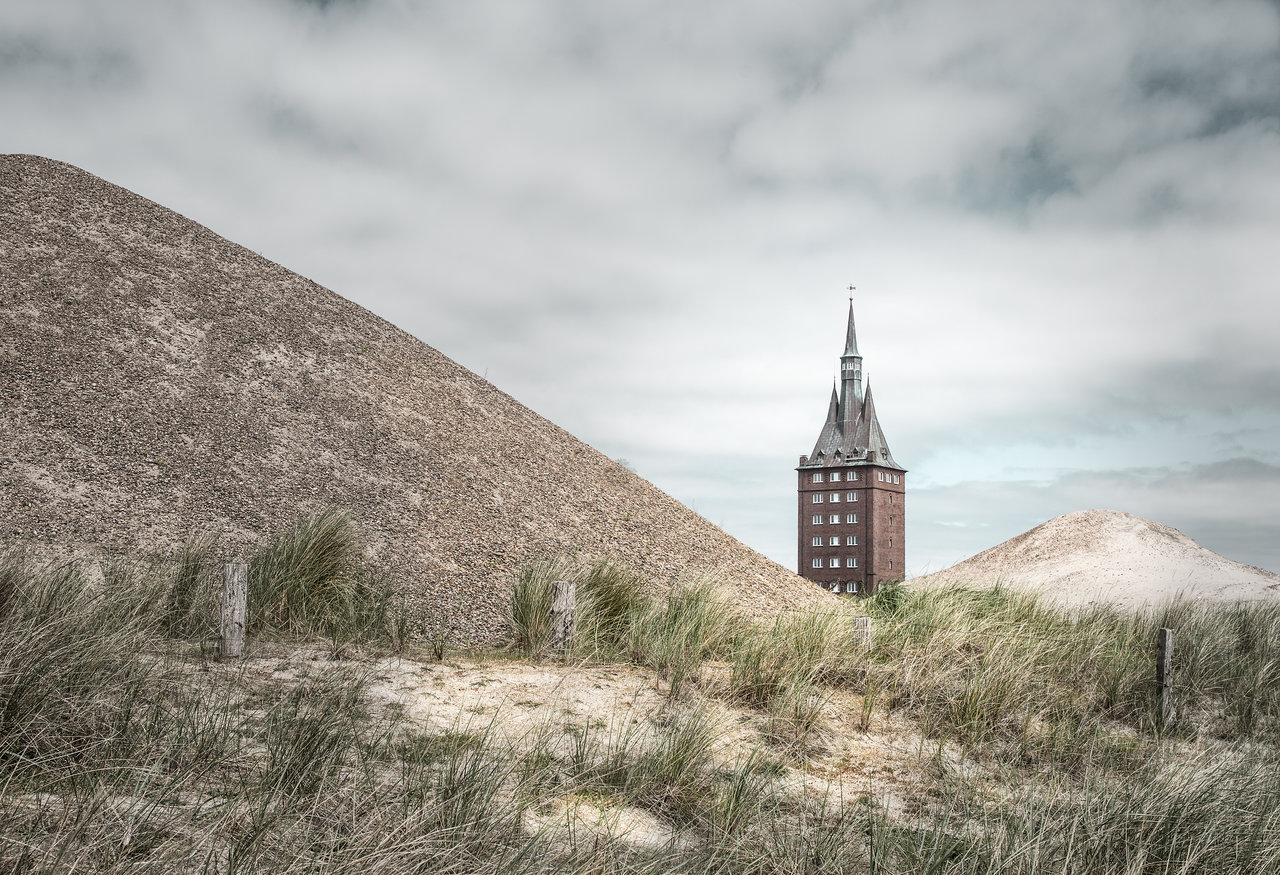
x=638 y=218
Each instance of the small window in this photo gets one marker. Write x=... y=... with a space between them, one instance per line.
x=817 y=563
x=851 y=586
x=851 y=518
x=853 y=475
x=852 y=496
x=817 y=477
x=835 y=519
x=897 y=478
x=852 y=562
x=817 y=540
x=880 y=475
x=835 y=587
x=851 y=541
x=818 y=498
x=817 y=519
x=835 y=563
x=835 y=497
x=835 y=540
x=835 y=476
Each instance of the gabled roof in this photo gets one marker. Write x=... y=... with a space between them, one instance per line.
x=862 y=443
x=877 y=447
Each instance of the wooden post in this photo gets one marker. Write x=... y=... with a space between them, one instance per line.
x=235 y=594
x=863 y=625
x=562 y=599
x=1164 y=676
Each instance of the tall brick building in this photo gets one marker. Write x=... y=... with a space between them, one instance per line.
x=851 y=491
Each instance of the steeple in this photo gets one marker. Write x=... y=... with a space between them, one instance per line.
x=850 y=376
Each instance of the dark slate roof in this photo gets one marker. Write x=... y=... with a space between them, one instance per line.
x=853 y=436
x=862 y=444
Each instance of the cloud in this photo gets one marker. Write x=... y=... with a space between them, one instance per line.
x=639 y=218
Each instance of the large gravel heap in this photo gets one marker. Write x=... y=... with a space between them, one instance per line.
x=1111 y=557
x=156 y=379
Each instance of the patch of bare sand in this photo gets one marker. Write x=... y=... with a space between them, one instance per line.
x=883 y=760
x=1110 y=557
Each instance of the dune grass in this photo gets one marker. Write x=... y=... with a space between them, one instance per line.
x=120 y=751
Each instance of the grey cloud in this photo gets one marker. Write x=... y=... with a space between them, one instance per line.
x=638 y=218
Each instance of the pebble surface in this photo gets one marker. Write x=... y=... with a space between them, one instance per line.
x=157 y=379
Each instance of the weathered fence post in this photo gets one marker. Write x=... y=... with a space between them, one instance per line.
x=863 y=627
x=562 y=599
x=235 y=594
x=1164 y=676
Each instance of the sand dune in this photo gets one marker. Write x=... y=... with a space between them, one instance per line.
x=156 y=379
x=1109 y=556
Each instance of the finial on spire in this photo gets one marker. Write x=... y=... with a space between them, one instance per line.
x=852 y=289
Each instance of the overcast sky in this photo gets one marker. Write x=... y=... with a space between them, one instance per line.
x=639 y=219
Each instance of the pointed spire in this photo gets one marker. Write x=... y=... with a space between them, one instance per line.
x=851 y=335
x=833 y=412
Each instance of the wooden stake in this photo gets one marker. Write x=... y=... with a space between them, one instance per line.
x=235 y=594
x=1164 y=676
x=863 y=625
x=562 y=603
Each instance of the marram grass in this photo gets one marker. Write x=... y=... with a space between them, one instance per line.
x=118 y=753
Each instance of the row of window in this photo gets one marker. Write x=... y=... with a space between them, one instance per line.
x=849 y=541
x=835 y=476
x=820 y=497
x=834 y=562
x=834 y=519
x=853 y=475
x=849 y=586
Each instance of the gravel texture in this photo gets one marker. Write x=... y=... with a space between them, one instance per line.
x=1107 y=556
x=157 y=379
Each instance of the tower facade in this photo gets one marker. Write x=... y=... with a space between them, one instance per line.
x=852 y=494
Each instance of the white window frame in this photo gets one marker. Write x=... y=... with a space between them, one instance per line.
x=817 y=519
x=819 y=497
x=835 y=519
x=835 y=561
x=853 y=562
x=852 y=496
x=851 y=518
x=817 y=562
x=817 y=476
x=851 y=541
x=835 y=541
x=816 y=542
x=880 y=476
x=835 y=498
x=835 y=476
x=896 y=479
x=853 y=475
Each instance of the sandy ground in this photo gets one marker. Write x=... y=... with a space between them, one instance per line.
x=887 y=762
x=1107 y=556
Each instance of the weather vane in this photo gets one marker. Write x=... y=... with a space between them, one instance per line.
x=852 y=289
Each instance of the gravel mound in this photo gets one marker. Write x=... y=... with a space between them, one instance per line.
x=157 y=379
x=1108 y=556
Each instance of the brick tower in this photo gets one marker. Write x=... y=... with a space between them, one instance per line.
x=852 y=492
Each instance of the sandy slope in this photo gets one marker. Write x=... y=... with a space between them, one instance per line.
x=156 y=379
x=1110 y=556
